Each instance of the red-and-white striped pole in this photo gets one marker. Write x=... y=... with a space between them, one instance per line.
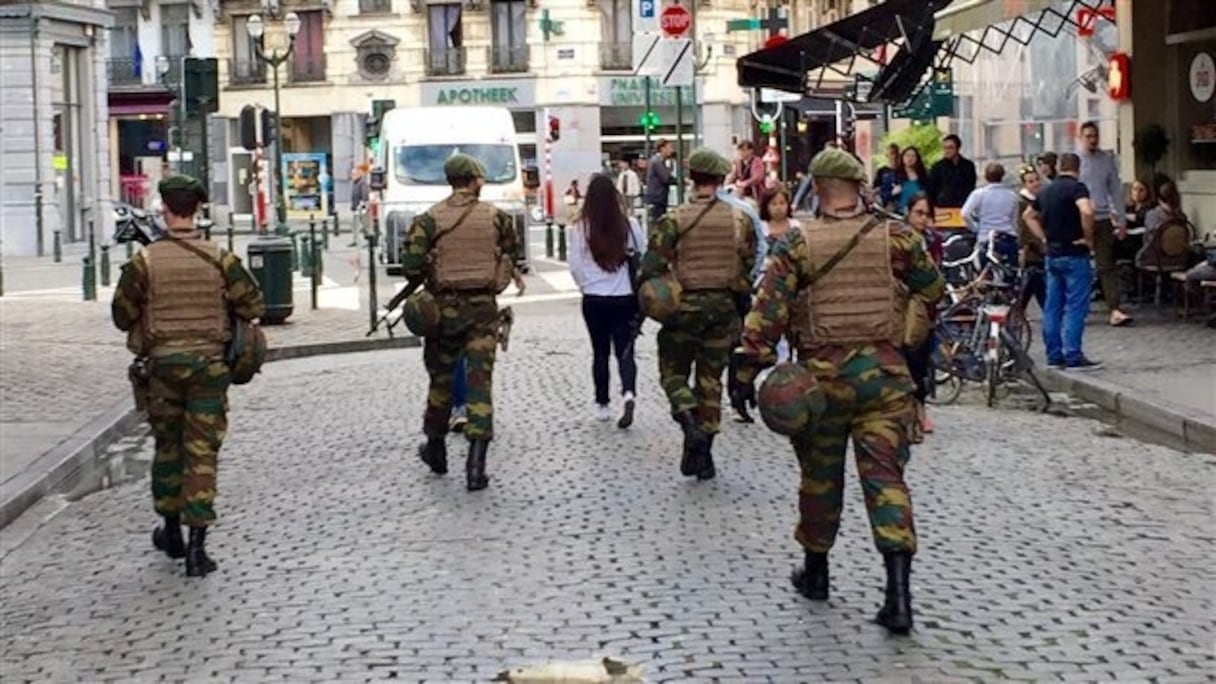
x=548 y=169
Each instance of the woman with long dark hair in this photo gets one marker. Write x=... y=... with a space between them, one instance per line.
x=910 y=179
x=920 y=219
x=602 y=240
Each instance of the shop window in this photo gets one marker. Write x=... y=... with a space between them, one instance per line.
x=446 y=53
x=308 y=58
x=616 y=28
x=509 y=52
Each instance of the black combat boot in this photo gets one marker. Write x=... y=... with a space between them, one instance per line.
x=198 y=563
x=475 y=465
x=168 y=538
x=811 y=580
x=435 y=454
x=706 y=470
x=896 y=613
x=693 y=455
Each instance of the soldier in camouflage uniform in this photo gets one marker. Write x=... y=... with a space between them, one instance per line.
x=709 y=247
x=846 y=327
x=466 y=251
x=174 y=303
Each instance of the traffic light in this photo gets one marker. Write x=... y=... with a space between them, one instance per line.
x=650 y=121
x=766 y=124
x=270 y=127
x=371 y=124
x=555 y=129
x=249 y=127
x=201 y=87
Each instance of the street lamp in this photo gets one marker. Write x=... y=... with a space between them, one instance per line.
x=256 y=27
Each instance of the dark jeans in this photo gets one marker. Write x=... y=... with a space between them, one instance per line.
x=655 y=211
x=1034 y=284
x=610 y=324
x=1069 y=286
x=918 y=360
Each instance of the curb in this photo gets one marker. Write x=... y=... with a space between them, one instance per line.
x=1194 y=430
x=57 y=469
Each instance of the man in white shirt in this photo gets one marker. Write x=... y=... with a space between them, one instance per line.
x=991 y=212
x=628 y=183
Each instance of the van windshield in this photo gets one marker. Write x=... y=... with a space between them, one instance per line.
x=423 y=164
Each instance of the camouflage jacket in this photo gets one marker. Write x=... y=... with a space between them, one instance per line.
x=661 y=251
x=416 y=249
x=242 y=292
x=786 y=273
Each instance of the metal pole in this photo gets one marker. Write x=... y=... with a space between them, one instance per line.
x=696 y=110
x=561 y=242
x=280 y=202
x=92 y=258
x=38 y=218
x=371 y=278
x=646 y=128
x=316 y=257
x=57 y=245
x=679 y=145
x=231 y=234
x=88 y=280
x=549 y=239
x=105 y=265
x=325 y=233
x=783 y=150
x=206 y=159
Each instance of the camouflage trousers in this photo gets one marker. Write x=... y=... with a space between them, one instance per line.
x=875 y=408
x=187 y=409
x=468 y=327
x=698 y=344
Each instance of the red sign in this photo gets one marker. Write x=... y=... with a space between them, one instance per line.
x=1087 y=19
x=1119 y=84
x=675 y=21
x=775 y=41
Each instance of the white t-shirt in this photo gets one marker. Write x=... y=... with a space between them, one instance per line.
x=592 y=279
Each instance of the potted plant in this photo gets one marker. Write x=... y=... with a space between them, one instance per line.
x=1151 y=143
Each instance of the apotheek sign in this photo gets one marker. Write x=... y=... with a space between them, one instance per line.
x=513 y=94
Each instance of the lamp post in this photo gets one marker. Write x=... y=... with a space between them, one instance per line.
x=177 y=115
x=255 y=26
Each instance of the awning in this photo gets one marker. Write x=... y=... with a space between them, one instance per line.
x=969 y=27
x=785 y=67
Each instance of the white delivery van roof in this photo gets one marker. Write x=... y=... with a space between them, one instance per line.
x=423 y=125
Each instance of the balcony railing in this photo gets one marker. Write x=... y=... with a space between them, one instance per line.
x=375 y=6
x=246 y=72
x=508 y=59
x=307 y=69
x=616 y=56
x=445 y=61
x=123 y=71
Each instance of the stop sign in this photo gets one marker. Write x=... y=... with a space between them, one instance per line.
x=675 y=21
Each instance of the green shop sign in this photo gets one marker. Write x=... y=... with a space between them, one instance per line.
x=631 y=92
x=478 y=96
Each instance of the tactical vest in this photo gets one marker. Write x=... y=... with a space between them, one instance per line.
x=186 y=309
x=465 y=258
x=707 y=254
x=855 y=303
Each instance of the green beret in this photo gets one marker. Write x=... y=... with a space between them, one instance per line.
x=463 y=166
x=833 y=162
x=182 y=182
x=707 y=161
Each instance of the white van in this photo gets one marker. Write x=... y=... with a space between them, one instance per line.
x=415 y=144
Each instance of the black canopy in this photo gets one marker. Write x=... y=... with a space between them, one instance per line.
x=785 y=67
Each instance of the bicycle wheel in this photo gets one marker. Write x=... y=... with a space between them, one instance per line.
x=946 y=388
x=995 y=371
x=1019 y=328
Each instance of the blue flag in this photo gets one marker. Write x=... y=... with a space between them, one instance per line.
x=138 y=70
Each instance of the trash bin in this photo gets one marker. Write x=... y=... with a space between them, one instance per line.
x=305 y=252
x=270 y=263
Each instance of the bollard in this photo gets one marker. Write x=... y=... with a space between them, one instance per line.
x=105 y=265
x=371 y=279
x=325 y=233
x=295 y=250
x=561 y=242
x=57 y=247
x=207 y=232
x=231 y=235
x=88 y=281
x=335 y=225
x=549 y=240
x=130 y=248
x=315 y=256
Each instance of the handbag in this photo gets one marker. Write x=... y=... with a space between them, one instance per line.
x=245 y=351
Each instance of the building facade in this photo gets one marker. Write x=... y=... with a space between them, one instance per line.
x=571 y=58
x=53 y=137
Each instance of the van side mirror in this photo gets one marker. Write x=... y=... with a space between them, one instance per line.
x=531 y=177
x=375 y=179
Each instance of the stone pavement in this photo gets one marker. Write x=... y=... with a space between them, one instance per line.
x=1049 y=551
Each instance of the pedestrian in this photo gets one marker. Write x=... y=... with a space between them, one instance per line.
x=1062 y=216
x=1031 y=250
x=911 y=178
x=842 y=271
x=886 y=177
x=777 y=224
x=460 y=394
x=708 y=250
x=952 y=178
x=1168 y=210
x=920 y=220
x=747 y=176
x=1046 y=164
x=659 y=180
x=1100 y=175
x=1140 y=201
x=465 y=251
x=359 y=193
x=991 y=213
x=176 y=299
x=604 y=241
x=627 y=183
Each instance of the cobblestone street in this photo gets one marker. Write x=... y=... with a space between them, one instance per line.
x=1049 y=551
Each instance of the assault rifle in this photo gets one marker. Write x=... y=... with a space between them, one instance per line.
x=411 y=286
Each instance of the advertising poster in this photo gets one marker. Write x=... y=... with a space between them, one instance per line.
x=304 y=175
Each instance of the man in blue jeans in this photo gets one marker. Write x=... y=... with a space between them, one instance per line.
x=1062 y=216
x=460 y=382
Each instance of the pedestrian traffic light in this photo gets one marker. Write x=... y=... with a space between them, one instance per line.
x=249 y=127
x=650 y=121
x=555 y=129
x=270 y=127
x=201 y=86
x=371 y=130
x=766 y=124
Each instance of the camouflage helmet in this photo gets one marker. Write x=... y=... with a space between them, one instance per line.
x=790 y=400
x=834 y=162
x=247 y=351
x=660 y=297
x=461 y=166
x=708 y=162
x=421 y=314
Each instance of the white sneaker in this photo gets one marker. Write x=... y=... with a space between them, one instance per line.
x=603 y=413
